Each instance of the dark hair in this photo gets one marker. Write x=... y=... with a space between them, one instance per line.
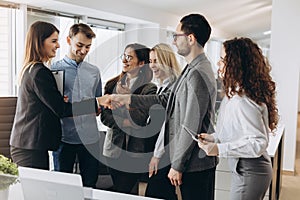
x=141 y=51
x=145 y=75
x=247 y=72
x=81 y=28
x=197 y=25
x=142 y=54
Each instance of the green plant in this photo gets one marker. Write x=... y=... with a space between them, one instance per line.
x=8 y=172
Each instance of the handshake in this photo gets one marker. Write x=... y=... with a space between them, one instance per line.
x=114 y=101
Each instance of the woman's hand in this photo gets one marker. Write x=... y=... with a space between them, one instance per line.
x=153 y=166
x=207 y=143
x=206 y=137
x=210 y=148
x=126 y=123
x=66 y=99
x=122 y=89
x=118 y=100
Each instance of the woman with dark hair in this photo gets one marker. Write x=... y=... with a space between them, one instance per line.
x=40 y=105
x=248 y=113
x=128 y=143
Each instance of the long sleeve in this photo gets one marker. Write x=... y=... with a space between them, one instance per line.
x=39 y=109
x=159 y=149
x=245 y=131
x=196 y=105
x=109 y=117
x=139 y=116
x=45 y=88
x=141 y=101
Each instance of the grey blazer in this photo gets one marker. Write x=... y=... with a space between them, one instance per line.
x=190 y=103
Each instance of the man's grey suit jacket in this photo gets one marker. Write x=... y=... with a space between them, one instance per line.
x=190 y=103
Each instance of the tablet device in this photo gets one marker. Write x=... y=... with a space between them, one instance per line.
x=192 y=133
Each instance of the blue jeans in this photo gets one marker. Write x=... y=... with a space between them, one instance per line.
x=65 y=157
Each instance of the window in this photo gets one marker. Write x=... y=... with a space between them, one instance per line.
x=63 y=23
x=8 y=22
x=105 y=52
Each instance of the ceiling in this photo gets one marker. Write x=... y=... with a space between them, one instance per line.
x=235 y=17
x=231 y=17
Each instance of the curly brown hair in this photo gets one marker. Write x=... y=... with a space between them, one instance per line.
x=247 y=72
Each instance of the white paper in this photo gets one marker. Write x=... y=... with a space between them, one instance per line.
x=59 y=77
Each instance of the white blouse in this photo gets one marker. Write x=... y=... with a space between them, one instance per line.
x=242 y=128
x=159 y=149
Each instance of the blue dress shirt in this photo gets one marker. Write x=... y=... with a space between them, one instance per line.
x=82 y=81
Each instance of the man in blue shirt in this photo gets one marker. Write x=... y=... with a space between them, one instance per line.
x=80 y=135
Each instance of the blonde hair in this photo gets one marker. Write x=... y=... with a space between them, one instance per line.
x=167 y=60
x=36 y=35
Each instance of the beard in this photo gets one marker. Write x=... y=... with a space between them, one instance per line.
x=183 y=51
x=76 y=56
x=79 y=59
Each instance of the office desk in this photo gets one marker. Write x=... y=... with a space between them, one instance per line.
x=275 y=150
x=16 y=193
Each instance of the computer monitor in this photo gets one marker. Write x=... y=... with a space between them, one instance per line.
x=40 y=184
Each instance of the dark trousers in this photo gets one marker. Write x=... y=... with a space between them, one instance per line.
x=30 y=158
x=159 y=186
x=64 y=159
x=125 y=182
x=126 y=172
x=198 y=185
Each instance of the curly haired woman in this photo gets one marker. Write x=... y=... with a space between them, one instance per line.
x=248 y=113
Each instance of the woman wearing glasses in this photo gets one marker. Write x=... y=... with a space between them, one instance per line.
x=128 y=143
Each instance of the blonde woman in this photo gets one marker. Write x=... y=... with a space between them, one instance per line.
x=164 y=65
x=165 y=69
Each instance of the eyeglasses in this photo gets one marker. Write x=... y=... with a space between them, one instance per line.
x=126 y=57
x=179 y=34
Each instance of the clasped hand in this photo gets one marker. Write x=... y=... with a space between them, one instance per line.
x=114 y=101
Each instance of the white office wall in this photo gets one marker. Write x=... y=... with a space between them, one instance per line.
x=127 y=9
x=299 y=95
x=147 y=34
x=284 y=57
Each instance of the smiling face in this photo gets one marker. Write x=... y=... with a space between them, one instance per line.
x=50 y=46
x=154 y=66
x=131 y=65
x=79 y=47
x=221 y=70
